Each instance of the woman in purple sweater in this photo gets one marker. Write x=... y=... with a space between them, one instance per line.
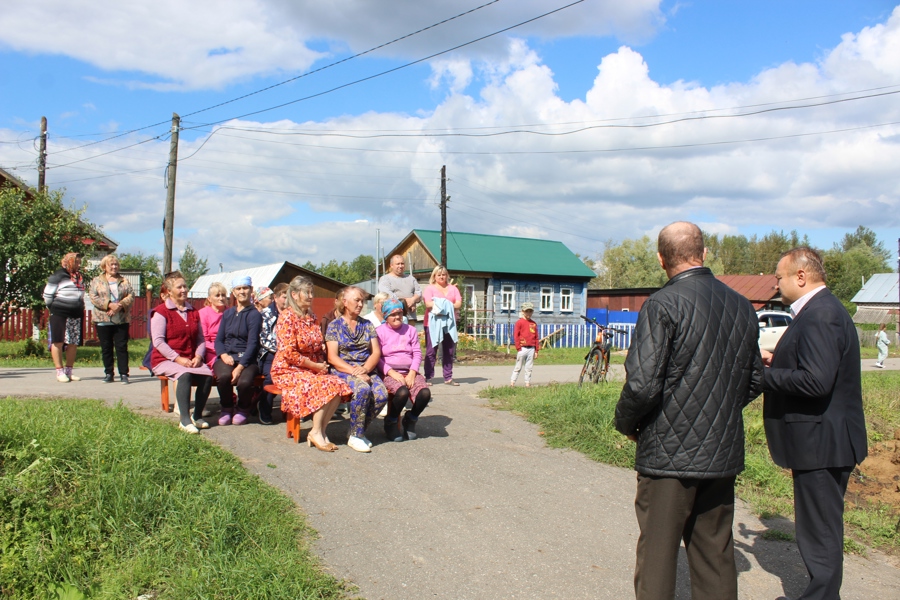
x=401 y=357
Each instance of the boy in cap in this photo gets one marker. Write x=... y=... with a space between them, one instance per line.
x=525 y=335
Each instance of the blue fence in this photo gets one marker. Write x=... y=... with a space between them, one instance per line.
x=574 y=336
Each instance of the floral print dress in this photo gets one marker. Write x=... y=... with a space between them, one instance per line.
x=303 y=392
x=354 y=347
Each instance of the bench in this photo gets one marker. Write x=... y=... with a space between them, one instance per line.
x=292 y=422
x=164 y=388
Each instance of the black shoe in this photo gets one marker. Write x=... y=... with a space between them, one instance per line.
x=110 y=378
x=123 y=379
x=409 y=426
x=263 y=420
x=392 y=430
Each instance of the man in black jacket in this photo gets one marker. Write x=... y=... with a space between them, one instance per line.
x=693 y=365
x=813 y=414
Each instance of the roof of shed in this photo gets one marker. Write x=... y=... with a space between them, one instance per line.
x=881 y=288
x=483 y=253
x=756 y=288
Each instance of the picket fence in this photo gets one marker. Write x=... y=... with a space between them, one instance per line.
x=18 y=326
x=580 y=335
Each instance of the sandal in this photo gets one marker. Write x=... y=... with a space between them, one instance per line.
x=451 y=382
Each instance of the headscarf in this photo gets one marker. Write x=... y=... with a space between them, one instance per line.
x=389 y=306
x=240 y=280
x=68 y=263
x=263 y=292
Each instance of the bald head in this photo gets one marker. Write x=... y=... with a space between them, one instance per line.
x=681 y=245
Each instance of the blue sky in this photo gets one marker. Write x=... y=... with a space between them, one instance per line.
x=259 y=192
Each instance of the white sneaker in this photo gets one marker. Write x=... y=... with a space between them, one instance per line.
x=879 y=366
x=188 y=428
x=199 y=423
x=366 y=440
x=358 y=444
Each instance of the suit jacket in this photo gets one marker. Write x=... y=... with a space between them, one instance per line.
x=813 y=396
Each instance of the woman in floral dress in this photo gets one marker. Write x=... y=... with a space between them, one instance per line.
x=354 y=352
x=299 y=368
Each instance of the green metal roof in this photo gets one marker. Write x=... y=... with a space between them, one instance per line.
x=499 y=254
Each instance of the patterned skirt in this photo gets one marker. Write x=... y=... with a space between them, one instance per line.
x=304 y=392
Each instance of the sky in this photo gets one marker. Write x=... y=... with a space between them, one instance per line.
x=309 y=125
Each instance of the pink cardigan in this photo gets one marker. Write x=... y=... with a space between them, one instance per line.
x=400 y=348
x=209 y=322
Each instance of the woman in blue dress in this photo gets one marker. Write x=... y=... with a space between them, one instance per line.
x=353 y=353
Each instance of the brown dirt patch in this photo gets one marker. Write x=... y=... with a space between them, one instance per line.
x=474 y=357
x=877 y=480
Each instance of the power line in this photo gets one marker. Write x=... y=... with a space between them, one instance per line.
x=343 y=60
x=558 y=133
x=400 y=67
x=370 y=77
x=259 y=91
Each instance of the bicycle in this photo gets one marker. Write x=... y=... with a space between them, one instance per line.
x=596 y=363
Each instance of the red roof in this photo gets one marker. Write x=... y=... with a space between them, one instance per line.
x=756 y=288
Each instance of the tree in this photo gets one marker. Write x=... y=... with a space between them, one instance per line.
x=359 y=269
x=630 y=264
x=147 y=265
x=36 y=230
x=192 y=266
x=864 y=235
x=859 y=256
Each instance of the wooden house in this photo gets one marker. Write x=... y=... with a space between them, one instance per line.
x=496 y=274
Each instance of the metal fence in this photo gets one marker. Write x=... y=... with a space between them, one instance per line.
x=579 y=335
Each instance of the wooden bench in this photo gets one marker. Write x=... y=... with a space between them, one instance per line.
x=292 y=422
x=164 y=388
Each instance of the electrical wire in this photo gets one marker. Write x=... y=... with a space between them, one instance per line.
x=397 y=68
x=259 y=91
x=561 y=133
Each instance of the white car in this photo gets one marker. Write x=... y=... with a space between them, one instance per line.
x=772 y=325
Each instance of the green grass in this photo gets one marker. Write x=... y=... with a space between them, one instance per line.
x=97 y=502
x=582 y=419
x=28 y=354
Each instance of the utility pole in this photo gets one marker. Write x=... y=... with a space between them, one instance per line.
x=169 y=221
x=42 y=158
x=444 y=199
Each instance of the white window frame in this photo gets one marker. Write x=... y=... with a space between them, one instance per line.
x=508 y=297
x=563 y=297
x=546 y=299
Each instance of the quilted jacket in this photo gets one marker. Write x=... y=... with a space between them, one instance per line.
x=693 y=365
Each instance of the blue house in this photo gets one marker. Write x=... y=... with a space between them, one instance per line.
x=496 y=274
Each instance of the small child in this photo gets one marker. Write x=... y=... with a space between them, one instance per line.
x=525 y=334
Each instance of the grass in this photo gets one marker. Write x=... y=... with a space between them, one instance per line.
x=98 y=510
x=582 y=419
x=27 y=354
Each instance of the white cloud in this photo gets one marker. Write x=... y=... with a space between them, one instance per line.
x=251 y=197
x=210 y=43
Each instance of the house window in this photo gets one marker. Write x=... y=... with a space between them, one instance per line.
x=470 y=297
x=565 y=300
x=546 y=299
x=508 y=297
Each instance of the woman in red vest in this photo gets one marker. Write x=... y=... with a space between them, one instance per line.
x=179 y=350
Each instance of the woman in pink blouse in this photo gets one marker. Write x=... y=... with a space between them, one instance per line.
x=211 y=317
x=401 y=357
x=440 y=288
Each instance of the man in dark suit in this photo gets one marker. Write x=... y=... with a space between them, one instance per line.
x=813 y=414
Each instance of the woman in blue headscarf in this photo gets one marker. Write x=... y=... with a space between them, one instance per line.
x=237 y=347
x=401 y=357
